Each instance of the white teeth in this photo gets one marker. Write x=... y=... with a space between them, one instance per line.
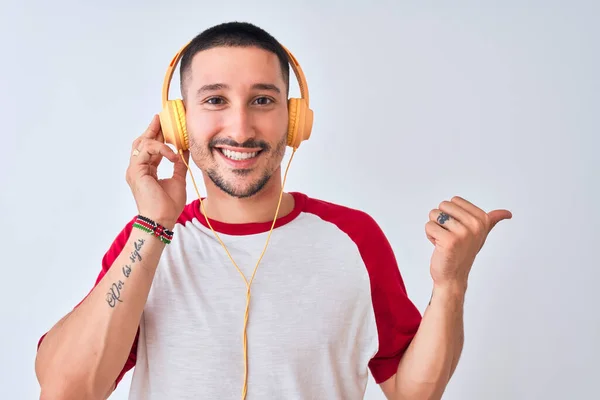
x=236 y=155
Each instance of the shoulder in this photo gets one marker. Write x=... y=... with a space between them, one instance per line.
x=362 y=229
x=372 y=243
x=356 y=223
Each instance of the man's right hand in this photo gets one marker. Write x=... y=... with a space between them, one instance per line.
x=161 y=200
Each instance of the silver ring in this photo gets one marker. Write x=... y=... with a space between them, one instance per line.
x=135 y=152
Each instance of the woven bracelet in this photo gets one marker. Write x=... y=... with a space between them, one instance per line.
x=151 y=227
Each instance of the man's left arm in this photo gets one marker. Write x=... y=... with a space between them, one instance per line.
x=430 y=360
x=458 y=230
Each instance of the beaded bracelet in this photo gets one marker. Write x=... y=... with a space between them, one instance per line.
x=151 y=227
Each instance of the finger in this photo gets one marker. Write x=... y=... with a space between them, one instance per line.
x=447 y=222
x=149 y=149
x=181 y=166
x=497 y=216
x=136 y=143
x=436 y=233
x=474 y=223
x=154 y=129
x=431 y=239
x=155 y=159
x=149 y=133
x=489 y=219
x=469 y=207
x=442 y=219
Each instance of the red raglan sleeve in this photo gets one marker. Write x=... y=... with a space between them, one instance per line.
x=109 y=257
x=396 y=316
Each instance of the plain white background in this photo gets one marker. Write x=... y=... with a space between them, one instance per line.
x=414 y=102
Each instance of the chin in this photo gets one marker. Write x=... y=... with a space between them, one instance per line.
x=239 y=183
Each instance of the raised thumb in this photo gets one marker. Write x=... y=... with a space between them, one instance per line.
x=497 y=216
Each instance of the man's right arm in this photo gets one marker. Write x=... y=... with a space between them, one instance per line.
x=84 y=353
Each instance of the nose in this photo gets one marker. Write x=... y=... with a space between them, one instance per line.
x=240 y=125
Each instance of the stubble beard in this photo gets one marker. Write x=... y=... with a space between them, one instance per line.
x=241 y=192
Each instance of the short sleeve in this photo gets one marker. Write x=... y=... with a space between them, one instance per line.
x=396 y=316
x=109 y=257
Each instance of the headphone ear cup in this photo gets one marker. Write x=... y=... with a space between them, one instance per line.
x=181 y=124
x=292 y=122
x=300 y=122
x=174 y=128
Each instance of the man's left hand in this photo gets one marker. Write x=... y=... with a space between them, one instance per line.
x=458 y=229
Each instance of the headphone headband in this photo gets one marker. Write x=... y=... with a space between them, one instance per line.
x=292 y=60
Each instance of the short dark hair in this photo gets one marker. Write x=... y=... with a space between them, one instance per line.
x=234 y=34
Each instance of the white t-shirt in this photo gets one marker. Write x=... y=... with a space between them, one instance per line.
x=328 y=304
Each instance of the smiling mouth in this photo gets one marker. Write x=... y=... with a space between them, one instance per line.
x=238 y=155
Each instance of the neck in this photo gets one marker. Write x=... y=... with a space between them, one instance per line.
x=261 y=207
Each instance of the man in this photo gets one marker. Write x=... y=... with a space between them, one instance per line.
x=325 y=305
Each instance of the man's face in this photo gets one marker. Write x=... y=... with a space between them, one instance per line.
x=236 y=112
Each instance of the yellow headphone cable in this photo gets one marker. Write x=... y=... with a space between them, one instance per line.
x=248 y=283
x=300 y=122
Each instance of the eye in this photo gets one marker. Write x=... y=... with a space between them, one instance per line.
x=263 y=101
x=215 y=101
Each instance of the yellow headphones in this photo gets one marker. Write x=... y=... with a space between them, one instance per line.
x=300 y=122
x=172 y=116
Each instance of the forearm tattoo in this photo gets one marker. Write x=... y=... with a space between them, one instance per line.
x=113 y=296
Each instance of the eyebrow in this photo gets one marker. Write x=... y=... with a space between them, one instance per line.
x=266 y=86
x=213 y=87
